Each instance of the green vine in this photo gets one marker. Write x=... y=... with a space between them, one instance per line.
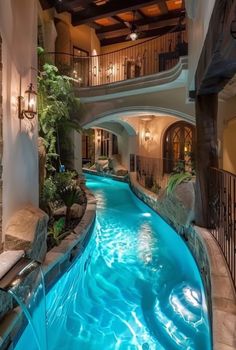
x=58 y=107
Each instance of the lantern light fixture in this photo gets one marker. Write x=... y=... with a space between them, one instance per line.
x=147 y=134
x=133 y=36
x=98 y=135
x=27 y=105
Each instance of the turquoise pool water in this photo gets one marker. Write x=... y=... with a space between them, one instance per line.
x=136 y=287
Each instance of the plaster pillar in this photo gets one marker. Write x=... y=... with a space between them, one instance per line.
x=77 y=159
x=97 y=144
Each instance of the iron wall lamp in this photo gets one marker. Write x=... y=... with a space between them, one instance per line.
x=147 y=134
x=27 y=105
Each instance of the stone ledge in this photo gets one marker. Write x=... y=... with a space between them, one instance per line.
x=9 y=328
x=111 y=176
x=57 y=261
x=27 y=230
x=223 y=295
x=64 y=253
x=215 y=274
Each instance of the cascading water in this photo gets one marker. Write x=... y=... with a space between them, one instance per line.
x=28 y=290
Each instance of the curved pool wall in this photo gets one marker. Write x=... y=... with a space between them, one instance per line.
x=136 y=286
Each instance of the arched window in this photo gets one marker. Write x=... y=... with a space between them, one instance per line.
x=179 y=146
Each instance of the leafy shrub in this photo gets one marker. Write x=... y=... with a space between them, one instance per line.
x=47 y=196
x=70 y=195
x=49 y=190
x=156 y=187
x=179 y=167
x=58 y=107
x=176 y=179
x=57 y=229
x=102 y=158
x=63 y=180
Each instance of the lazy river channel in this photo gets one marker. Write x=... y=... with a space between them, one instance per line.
x=136 y=287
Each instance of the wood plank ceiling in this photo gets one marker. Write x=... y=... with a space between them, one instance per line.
x=112 y=19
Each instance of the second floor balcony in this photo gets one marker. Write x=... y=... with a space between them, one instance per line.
x=139 y=60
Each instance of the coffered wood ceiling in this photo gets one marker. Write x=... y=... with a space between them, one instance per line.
x=111 y=19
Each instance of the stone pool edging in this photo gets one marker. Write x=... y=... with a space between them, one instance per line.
x=219 y=288
x=107 y=175
x=56 y=263
x=60 y=257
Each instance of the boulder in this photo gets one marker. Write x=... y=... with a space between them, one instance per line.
x=117 y=168
x=101 y=165
x=27 y=230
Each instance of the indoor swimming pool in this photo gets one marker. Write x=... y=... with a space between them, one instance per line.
x=136 y=287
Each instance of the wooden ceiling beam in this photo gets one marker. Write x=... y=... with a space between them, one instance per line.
x=148 y=27
x=142 y=15
x=91 y=13
x=45 y=4
x=163 y=7
x=148 y=20
x=147 y=34
x=120 y=22
x=71 y=4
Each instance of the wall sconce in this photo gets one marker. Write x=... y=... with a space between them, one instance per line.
x=147 y=134
x=27 y=105
x=233 y=29
x=98 y=135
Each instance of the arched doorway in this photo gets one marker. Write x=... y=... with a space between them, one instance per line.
x=178 y=146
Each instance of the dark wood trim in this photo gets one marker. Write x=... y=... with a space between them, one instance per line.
x=144 y=21
x=141 y=15
x=45 y=4
x=110 y=9
x=69 y=5
x=163 y=7
x=119 y=20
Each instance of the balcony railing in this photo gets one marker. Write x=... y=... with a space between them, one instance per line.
x=222 y=214
x=146 y=58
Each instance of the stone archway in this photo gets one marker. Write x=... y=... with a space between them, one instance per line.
x=1 y=143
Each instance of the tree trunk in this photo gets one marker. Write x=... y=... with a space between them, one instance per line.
x=206 y=155
x=68 y=214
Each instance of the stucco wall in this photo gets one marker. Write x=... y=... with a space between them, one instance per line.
x=48 y=28
x=85 y=38
x=66 y=35
x=18 y=28
x=226 y=134
x=157 y=126
x=171 y=101
x=126 y=146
